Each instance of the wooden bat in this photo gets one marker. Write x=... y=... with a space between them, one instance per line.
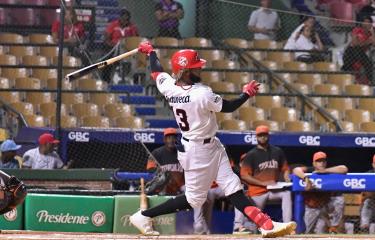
x=143 y=201
x=83 y=71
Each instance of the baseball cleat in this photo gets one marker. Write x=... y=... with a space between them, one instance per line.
x=143 y=223
x=279 y=229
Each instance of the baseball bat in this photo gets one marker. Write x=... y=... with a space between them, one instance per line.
x=83 y=71
x=143 y=201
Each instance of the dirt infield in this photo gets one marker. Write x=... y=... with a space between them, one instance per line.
x=28 y=235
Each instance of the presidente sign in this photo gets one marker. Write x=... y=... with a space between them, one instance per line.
x=69 y=213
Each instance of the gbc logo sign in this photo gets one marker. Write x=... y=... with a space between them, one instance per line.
x=250 y=138
x=355 y=183
x=144 y=137
x=310 y=140
x=365 y=141
x=79 y=136
x=317 y=183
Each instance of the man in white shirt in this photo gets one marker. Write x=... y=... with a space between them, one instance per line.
x=264 y=22
x=43 y=156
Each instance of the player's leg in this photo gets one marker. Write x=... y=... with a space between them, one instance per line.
x=365 y=215
x=311 y=218
x=336 y=205
x=286 y=203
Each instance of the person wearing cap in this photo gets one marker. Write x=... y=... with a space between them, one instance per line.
x=169 y=13
x=320 y=204
x=264 y=165
x=43 y=156
x=8 y=151
x=164 y=160
x=367 y=214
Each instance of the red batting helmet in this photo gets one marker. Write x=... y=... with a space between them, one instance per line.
x=186 y=59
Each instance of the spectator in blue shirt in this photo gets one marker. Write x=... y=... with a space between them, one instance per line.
x=8 y=154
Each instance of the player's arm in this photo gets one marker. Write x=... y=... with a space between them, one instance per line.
x=156 y=68
x=249 y=90
x=340 y=169
x=300 y=172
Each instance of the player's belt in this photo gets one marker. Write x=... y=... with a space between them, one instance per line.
x=207 y=140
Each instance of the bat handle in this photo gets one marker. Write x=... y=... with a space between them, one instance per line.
x=142 y=185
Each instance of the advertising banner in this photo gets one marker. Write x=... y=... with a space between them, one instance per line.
x=12 y=220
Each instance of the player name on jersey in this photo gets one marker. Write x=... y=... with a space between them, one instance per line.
x=184 y=99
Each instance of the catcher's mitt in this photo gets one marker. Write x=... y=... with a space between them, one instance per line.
x=14 y=194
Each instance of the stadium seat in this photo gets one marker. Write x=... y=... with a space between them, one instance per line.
x=359 y=89
x=343 y=11
x=310 y=79
x=348 y=126
x=327 y=89
x=25 y=16
x=283 y=114
x=268 y=102
x=239 y=77
x=114 y=110
x=27 y=83
x=211 y=76
x=324 y=66
x=340 y=104
x=223 y=87
x=234 y=125
x=10 y=97
x=72 y=98
x=41 y=38
x=49 y=52
x=68 y=61
x=95 y=121
x=303 y=88
x=288 y=77
x=3 y=17
x=49 y=15
x=257 y=55
x=166 y=64
x=44 y=73
x=35 y=60
x=211 y=55
x=367 y=127
x=225 y=64
x=23 y=107
x=35 y=121
x=129 y=122
x=280 y=57
x=5 y=83
x=8 y=60
x=165 y=41
x=90 y=84
x=11 y=38
x=34 y=2
x=272 y=65
x=295 y=66
x=341 y=80
x=264 y=44
x=334 y=112
x=273 y=125
x=85 y=109
x=52 y=84
x=249 y=114
x=20 y=51
x=237 y=42
x=13 y=73
x=367 y=104
x=37 y=98
x=66 y=121
x=3 y=50
x=102 y=99
x=220 y=116
x=298 y=126
x=133 y=42
x=196 y=42
x=48 y=109
x=357 y=116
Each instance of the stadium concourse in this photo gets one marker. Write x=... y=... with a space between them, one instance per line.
x=23 y=235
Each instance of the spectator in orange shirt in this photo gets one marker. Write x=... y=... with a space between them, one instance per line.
x=263 y=166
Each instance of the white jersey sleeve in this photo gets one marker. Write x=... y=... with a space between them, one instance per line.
x=165 y=83
x=211 y=100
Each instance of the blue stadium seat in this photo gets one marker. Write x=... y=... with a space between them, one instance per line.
x=138 y=99
x=129 y=88
x=141 y=111
x=162 y=123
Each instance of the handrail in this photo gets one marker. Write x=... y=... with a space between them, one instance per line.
x=10 y=108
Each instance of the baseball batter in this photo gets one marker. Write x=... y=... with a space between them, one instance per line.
x=201 y=154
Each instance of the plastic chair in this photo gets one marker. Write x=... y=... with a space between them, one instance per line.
x=273 y=125
x=44 y=73
x=102 y=99
x=13 y=73
x=340 y=80
x=225 y=64
x=367 y=104
x=211 y=55
x=10 y=97
x=280 y=56
x=236 y=42
x=85 y=109
x=318 y=118
x=8 y=60
x=49 y=52
x=165 y=41
x=5 y=83
x=66 y=121
x=211 y=76
x=324 y=66
x=272 y=65
x=196 y=42
x=298 y=126
x=41 y=38
x=35 y=121
x=133 y=42
x=48 y=109
x=90 y=84
x=288 y=77
x=72 y=98
x=95 y=121
x=343 y=11
x=20 y=51
x=357 y=116
x=264 y=44
x=340 y=104
x=166 y=64
x=11 y=38
x=37 y=98
x=367 y=127
x=327 y=89
x=129 y=122
x=52 y=84
x=234 y=125
x=25 y=16
x=349 y=126
x=238 y=78
x=23 y=107
x=268 y=102
x=303 y=88
x=249 y=114
x=220 y=116
x=358 y=89
x=283 y=114
x=114 y=110
x=223 y=87
x=295 y=66
x=35 y=60
x=68 y=61
x=27 y=83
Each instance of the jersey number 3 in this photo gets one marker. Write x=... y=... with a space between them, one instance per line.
x=183 y=123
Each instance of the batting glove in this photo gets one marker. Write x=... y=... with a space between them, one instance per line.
x=251 y=88
x=145 y=47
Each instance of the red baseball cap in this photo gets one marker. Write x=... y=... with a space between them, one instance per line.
x=319 y=155
x=170 y=131
x=262 y=129
x=47 y=138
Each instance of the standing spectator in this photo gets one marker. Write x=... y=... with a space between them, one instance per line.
x=264 y=165
x=169 y=13
x=43 y=156
x=368 y=203
x=8 y=155
x=355 y=55
x=308 y=39
x=172 y=181
x=320 y=204
x=264 y=22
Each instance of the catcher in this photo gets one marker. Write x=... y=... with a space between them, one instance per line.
x=12 y=192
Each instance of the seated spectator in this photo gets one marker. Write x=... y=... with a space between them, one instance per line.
x=8 y=155
x=355 y=55
x=264 y=22
x=367 y=11
x=169 y=13
x=321 y=207
x=307 y=21
x=43 y=156
x=367 y=215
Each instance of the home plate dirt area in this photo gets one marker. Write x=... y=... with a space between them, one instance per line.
x=24 y=235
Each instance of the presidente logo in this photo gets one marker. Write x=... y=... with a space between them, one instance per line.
x=98 y=218
x=11 y=215
x=161 y=220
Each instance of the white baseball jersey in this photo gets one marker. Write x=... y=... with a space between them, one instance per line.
x=194 y=107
